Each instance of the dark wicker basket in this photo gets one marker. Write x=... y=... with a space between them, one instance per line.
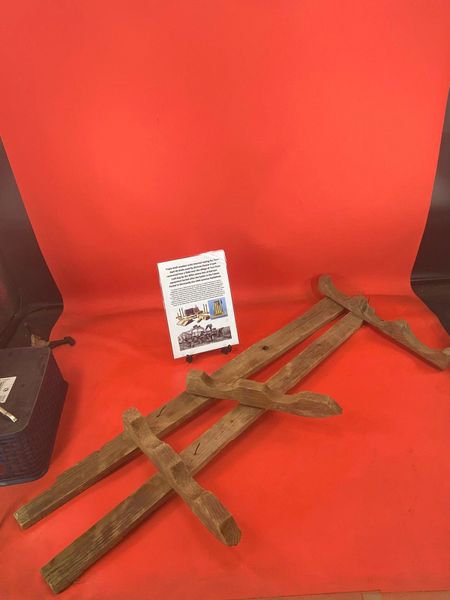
x=36 y=399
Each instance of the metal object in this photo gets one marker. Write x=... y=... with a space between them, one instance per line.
x=430 y=278
x=7 y=414
x=30 y=304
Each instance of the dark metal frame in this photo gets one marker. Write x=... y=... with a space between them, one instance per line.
x=30 y=301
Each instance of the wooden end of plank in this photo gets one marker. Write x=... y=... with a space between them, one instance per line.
x=399 y=330
x=22 y=517
x=203 y=503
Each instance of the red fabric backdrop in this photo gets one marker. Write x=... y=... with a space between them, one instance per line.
x=301 y=137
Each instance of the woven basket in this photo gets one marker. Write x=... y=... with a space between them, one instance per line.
x=36 y=398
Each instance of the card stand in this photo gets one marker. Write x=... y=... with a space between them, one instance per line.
x=224 y=350
x=230 y=381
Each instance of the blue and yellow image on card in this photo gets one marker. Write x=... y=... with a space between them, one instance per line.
x=217 y=308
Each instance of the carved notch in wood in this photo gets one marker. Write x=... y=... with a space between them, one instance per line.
x=204 y=504
x=398 y=330
x=260 y=395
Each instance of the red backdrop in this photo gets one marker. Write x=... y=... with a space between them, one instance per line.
x=301 y=137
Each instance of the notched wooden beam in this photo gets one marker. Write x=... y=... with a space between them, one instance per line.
x=203 y=503
x=261 y=395
x=399 y=330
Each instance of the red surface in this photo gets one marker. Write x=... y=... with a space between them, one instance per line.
x=301 y=137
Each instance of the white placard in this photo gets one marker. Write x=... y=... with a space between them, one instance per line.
x=6 y=384
x=198 y=303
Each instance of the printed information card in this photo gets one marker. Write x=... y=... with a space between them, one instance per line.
x=198 y=304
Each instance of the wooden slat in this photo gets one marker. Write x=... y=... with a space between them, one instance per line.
x=69 y=564
x=261 y=395
x=399 y=330
x=163 y=420
x=211 y=512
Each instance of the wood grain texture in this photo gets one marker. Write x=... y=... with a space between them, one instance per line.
x=203 y=503
x=69 y=564
x=183 y=407
x=261 y=395
x=398 y=330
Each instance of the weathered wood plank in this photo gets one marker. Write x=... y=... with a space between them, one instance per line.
x=203 y=503
x=163 y=420
x=399 y=330
x=69 y=564
x=261 y=395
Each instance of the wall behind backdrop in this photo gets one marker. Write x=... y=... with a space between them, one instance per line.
x=300 y=136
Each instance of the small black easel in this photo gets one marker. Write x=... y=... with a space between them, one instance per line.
x=224 y=350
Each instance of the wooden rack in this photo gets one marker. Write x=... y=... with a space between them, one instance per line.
x=175 y=472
